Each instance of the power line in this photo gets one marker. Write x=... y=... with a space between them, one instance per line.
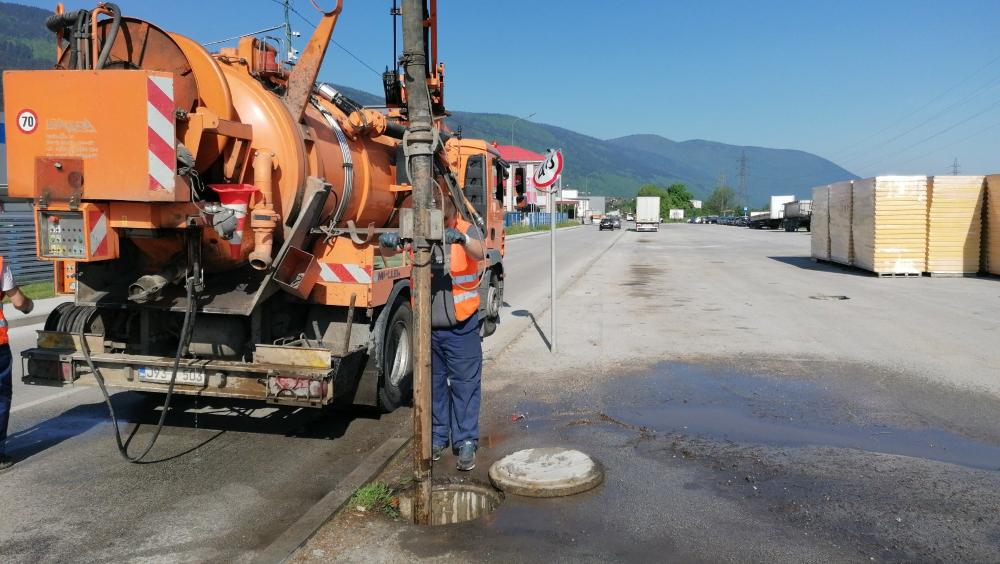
x=953 y=143
x=954 y=105
x=854 y=146
x=334 y=41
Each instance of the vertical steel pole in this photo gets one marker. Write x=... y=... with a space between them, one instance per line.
x=552 y=252
x=420 y=149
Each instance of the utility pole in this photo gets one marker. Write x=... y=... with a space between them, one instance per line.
x=420 y=152
x=743 y=178
x=955 y=168
x=722 y=184
x=285 y=4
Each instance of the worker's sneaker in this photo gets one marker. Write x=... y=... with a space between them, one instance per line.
x=466 y=455
x=5 y=462
x=436 y=451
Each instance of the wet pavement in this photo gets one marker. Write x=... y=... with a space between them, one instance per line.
x=723 y=463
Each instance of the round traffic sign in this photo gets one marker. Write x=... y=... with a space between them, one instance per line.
x=548 y=172
x=27 y=121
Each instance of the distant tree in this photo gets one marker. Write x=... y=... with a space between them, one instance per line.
x=721 y=199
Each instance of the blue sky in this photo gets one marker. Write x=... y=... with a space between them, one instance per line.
x=878 y=86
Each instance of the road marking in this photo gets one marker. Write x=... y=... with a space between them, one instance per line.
x=40 y=401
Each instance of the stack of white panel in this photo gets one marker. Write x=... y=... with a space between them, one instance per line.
x=841 y=204
x=954 y=224
x=991 y=239
x=889 y=221
x=820 y=222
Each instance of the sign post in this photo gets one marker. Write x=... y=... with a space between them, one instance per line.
x=545 y=179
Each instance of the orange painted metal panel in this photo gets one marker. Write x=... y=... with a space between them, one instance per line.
x=119 y=122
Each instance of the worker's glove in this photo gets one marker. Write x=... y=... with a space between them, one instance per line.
x=390 y=240
x=453 y=236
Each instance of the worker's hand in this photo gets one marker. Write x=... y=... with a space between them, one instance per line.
x=29 y=306
x=452 y=236
x=390 y=240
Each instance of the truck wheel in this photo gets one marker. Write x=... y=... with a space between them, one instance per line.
x=493 y=302
x=396 y=371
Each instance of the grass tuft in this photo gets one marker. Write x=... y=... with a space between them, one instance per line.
x=377 y=497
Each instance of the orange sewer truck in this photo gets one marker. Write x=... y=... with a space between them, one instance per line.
x=216 y=215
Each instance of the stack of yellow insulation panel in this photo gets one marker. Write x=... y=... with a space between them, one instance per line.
x=991 y=239
x=954 y=224
x=890 y=224
x=841 y=246
x=820 y=223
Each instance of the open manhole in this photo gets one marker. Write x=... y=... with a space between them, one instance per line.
x=455 y=502
x=826 y=297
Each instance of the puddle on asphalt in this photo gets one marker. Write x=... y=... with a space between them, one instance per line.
x=726 y=405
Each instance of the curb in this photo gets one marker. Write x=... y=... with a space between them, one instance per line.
x=538 y=233
x=41 y=312
x=296 y=535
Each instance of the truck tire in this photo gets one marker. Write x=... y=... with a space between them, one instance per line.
x=493 y=300
x=395 y=386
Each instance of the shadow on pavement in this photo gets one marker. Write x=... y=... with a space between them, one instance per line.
x=807 y=263
x=139 y=413
x=528 y=314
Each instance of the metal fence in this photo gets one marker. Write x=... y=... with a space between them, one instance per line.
x=532 y=219
x=17 y=241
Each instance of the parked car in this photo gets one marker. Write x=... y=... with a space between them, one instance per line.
x=606 y=223
x=711 y=219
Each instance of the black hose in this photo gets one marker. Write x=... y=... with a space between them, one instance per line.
x=58 y=22
x=185 y=336
x=109 y=38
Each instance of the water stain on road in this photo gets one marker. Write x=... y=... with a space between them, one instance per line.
x=729 y=406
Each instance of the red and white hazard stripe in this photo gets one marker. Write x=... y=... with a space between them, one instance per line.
x=162 y=133
x=354 y=273
x=98 y=233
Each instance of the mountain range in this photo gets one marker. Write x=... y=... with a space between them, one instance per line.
x=612 y=167
x=617 y=167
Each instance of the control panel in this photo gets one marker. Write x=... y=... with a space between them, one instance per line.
x=61 y=235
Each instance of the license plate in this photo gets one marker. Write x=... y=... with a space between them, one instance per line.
x=185 y=376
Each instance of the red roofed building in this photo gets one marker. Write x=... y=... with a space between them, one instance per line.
x=521 y=194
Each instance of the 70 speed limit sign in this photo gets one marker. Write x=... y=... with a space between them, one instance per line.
x=27 y=121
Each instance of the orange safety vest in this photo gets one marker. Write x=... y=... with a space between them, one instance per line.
x=464 y=278
x=4 y=339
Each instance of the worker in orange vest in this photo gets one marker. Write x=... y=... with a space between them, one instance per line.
x=23 y=303
x=456 y=348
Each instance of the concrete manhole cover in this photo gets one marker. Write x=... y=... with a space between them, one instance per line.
x=546 y=472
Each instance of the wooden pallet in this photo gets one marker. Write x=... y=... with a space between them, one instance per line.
x=953 y=274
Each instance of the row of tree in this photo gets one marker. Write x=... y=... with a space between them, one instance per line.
x=678 y=196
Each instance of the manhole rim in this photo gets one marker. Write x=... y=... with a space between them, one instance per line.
x=572 y=486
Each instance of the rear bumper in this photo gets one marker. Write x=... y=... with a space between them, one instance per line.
x=302 y=381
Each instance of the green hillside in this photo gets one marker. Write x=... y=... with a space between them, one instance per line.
x=24 y=41
x=617 y=167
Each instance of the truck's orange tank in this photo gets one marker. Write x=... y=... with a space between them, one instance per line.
x=216 y=100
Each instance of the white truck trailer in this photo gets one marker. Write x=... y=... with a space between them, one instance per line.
x=647 y=213
x=771 y=219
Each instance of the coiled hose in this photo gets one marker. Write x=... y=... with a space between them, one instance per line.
x=185 y=336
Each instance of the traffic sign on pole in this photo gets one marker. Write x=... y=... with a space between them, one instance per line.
x=545 y=179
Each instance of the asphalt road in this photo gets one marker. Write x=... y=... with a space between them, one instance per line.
x=743 y=412
x=226 y=478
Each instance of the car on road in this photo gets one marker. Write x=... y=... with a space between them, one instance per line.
x=606 y=223
x=617 y=223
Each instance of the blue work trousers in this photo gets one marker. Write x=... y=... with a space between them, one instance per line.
x=457 y=366
x=6 y=393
